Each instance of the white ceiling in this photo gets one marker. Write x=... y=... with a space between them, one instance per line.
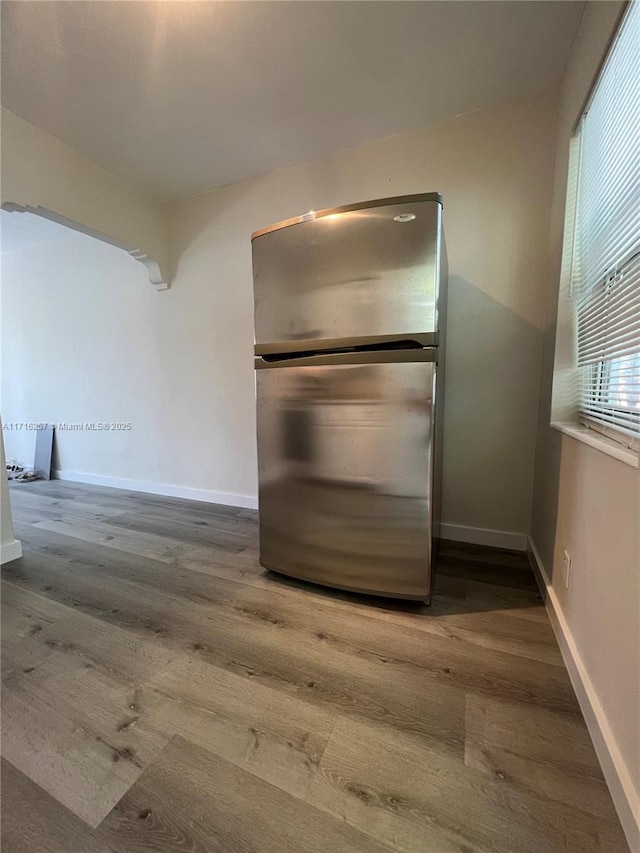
x=181 y=97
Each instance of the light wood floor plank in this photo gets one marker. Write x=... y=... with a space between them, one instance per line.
x=70 y=506
x=447 y=659
x=148 y=656
x=151 y=545
x=269 y=732
x=69 y=759
x=501 y=632
x=548 y=754
x=193 y=800
x=415 y=800
x=254 y=646
x=71 y=719
x=228 y=533
x=25 y=613
x=34 y=822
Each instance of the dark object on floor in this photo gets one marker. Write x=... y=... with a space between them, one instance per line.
x=16 y=472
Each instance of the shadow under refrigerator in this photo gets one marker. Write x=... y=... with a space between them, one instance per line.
x=349 y=330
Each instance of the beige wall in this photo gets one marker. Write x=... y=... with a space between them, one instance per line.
x=588 y=503
x=40 y=171
x=86 y=339
x=179 y=365
x=494 y=168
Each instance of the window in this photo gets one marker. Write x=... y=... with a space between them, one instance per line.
x=602 y=243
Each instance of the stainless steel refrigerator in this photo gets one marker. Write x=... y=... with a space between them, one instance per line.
x=349 y=330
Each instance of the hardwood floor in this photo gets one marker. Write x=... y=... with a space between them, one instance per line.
x=162 y=692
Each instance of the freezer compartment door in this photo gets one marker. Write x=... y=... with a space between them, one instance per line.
x=345 y=475
x=357 y=276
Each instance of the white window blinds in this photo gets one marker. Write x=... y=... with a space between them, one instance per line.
x=605 y=255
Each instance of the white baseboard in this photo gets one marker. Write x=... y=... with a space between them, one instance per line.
x=166 y=489
x=10 y=551
x=483 y=536
x=455 y=532
x=626 y=797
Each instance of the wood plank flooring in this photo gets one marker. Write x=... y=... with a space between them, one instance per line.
x=161 y=691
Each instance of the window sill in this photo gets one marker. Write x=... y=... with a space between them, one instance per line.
x=600 y=442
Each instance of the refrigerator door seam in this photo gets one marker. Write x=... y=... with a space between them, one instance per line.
x=380 y=342
x=371 y=357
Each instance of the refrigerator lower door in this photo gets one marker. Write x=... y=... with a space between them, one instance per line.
x=345 y=445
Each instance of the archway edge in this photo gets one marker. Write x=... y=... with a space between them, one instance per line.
x=47 y=177
x=152 y=266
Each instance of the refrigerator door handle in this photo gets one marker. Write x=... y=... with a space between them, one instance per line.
x=313 y=345
x=363 y=357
